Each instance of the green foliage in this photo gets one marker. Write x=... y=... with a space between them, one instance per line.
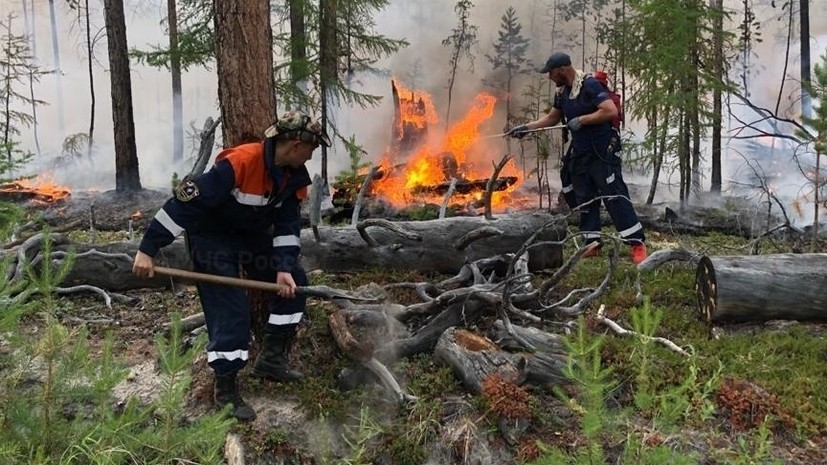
x=584 y=368
x=56 y=397
x=358 y=50
x=196 y=38
x=638 y=453
x=645 y=321
x=10 y=215
x=510 y=46
x=18 y=70
x=75 y=144
x=358 y=438
x=174 y=181
x=463 y=36
x=817 y=88
x=348 y=182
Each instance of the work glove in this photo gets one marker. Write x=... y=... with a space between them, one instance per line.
x=518 y=131
x=574 y=124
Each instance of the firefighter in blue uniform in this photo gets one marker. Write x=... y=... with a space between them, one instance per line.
x=592 y=162
x=243 y=214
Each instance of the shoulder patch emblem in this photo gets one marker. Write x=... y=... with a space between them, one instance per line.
x=186 y=191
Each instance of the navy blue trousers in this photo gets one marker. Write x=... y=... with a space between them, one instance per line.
x=590 y=176
x=227 y=308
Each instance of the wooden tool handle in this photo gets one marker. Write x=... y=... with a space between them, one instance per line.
x=226 y=280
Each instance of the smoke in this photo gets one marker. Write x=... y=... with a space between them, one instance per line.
x=424 y=65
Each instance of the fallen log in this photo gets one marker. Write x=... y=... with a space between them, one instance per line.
x=433 y=245
x=443 y=246
x=762 y=287
x=109 y=266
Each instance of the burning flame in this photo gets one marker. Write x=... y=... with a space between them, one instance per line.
x=137 y=215
x=40 y=189
x=457 y=154
x=417 y=108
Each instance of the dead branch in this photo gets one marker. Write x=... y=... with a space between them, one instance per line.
x=489 y=187
x=360 y=198
x=315 y=214
x=451 y=188
x=389 y=225
x=580 y=306
x=205 y=149
x=387 y=379
x=475 y=235
x=660 y=257
x=67 y=227
x=620 y=331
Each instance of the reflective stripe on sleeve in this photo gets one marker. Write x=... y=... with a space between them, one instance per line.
x=285 y=241
x=168 y=223
x=249 y=199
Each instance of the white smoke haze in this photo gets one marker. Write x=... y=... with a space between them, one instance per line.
x=424 y=24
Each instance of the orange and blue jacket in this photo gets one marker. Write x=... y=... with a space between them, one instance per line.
x=243 y=193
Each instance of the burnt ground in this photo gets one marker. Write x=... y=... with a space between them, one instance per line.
x=316 y=421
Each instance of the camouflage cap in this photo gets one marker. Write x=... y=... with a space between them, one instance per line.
x=296 y=125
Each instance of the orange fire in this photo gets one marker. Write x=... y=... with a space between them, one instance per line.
x=417 y=108
x=459 y=153
x=39 y=189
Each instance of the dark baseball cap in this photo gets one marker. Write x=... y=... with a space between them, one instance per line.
x=556 y=60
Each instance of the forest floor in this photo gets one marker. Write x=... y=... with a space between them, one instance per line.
x=748 y=394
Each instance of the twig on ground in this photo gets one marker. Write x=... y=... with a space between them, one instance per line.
x=620 y=331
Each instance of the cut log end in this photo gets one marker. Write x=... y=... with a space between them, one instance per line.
x=706 y=288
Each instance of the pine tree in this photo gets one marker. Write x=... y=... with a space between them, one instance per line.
x=817 y=121
x=17 y=69
x=462 y=38
x=510 y=56
x=341 y=42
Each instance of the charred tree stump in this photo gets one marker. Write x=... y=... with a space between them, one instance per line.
x=762 y=287
x=474 y=358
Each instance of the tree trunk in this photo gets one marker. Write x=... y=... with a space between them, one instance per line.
x=718 y=66
x=762 y=287
x=61 y=131
x=175 y=70
x=127 y=174
x=804 y=15
x=90 y=71
x=244 y=58
x=328 y=71
x=298 y=45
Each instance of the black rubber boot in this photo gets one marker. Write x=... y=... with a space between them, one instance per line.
x=226 y=392
x=272 y=362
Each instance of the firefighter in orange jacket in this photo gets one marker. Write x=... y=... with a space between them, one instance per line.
x=243 y=214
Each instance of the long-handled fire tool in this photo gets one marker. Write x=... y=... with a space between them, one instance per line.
x=324 y=292
x=503 y=134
